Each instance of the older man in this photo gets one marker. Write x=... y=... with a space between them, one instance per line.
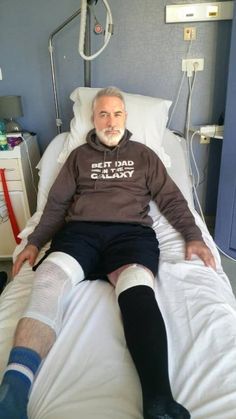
x=97 y=218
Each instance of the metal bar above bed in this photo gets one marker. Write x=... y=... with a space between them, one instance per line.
x=87 y=64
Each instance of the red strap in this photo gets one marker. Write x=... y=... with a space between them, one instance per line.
x=12 y=217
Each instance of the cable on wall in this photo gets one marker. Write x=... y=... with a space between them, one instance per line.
x=180 y=88
x=189 y=141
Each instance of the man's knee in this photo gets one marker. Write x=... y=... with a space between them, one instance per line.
x=53 y=282
x=68 y=264
x=134 y=275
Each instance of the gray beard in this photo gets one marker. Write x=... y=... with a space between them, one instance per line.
x=110 y=140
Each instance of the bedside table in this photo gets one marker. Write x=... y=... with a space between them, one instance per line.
x=22 y=180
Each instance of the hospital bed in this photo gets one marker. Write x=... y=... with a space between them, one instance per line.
x=89 y=372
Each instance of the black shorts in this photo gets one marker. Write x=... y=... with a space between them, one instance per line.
x=102 y=247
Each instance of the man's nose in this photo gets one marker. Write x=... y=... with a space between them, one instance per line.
x=111 y=120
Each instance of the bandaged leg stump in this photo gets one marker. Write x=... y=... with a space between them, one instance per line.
x=53 y=283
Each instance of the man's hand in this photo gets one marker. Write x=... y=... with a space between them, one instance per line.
x=30 y=253
x=199 y=248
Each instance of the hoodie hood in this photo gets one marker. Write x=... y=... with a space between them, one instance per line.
x=94 y=142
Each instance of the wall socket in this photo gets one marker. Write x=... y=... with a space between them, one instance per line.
x=190 y=33
x=207 y=132
x=192 y=64
x=204 y=139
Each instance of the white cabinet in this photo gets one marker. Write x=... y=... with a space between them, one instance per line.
x=22 y=180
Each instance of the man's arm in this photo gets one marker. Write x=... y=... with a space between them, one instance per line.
x=174 y=207
x=59 y=199
x=53 y=217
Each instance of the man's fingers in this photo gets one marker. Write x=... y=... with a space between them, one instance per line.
x=29 y=253
x=209 y=261
x=188 y=253
x=16 y=267
x=202 y=251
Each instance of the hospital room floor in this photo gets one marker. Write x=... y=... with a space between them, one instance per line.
x=229 y=267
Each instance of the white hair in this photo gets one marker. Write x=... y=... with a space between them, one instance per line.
x=108 y=91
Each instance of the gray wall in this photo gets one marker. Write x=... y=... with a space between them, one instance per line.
x=144 y=56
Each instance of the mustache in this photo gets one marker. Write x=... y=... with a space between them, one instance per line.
x=107 y=130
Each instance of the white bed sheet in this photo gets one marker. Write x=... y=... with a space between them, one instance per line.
x=89 y=373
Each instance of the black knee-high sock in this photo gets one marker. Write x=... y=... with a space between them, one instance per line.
x=146 y=339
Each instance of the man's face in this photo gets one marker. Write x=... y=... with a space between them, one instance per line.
x=109 y=119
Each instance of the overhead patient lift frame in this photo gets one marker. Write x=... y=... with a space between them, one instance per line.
x=84 y=46
x=87 y=64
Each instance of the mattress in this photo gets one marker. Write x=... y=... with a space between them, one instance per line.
x=89 y=372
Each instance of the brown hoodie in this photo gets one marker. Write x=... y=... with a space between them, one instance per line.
x=98 y=183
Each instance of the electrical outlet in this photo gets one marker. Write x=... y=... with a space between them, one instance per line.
x=0 y=74
x=190 y=34
x=192 y=64
x=204 y=139
x=212 y=131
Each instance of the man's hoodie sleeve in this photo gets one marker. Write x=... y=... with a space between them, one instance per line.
x=58 y=202
x=170 y=200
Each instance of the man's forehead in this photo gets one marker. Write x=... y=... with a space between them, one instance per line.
x=109 y=103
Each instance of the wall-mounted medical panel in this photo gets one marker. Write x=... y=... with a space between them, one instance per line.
x=195 y=12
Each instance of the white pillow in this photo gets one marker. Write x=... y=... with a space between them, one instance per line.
x=147 y=119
